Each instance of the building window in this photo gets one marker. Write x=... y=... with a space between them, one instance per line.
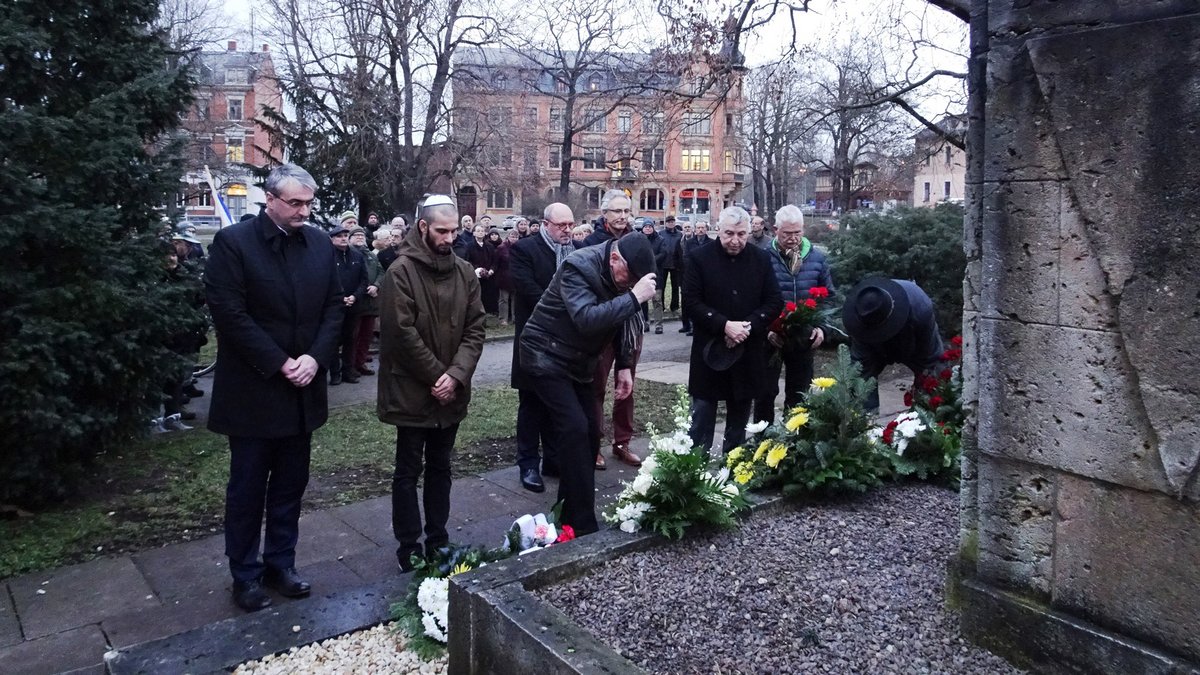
x=204 y=197
x=500 y=81
x=624 y=158
x=496 y=156
x=652 y=123
x=696 y=159
x=235 y=109
x=235 y=199
x=596 y=121
x=531 y=117
x=946 y=190
x=202 y=112
x=593 y=158
x=697 y=124
x=926 y=192
x=653 y=200
x=560 y=86
x=500 y=119
x=500 y=199
x=234 y=152
x=556 y=157
x=530 y=156
x=728 y=124
x=556 y=119
x=653 y=159
x=624 y=121
x=947 y=155
x=594 y=82
x=729 y=161
x=593 y=197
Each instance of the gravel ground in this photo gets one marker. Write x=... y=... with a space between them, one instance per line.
x=375 y=650
x=853 y=586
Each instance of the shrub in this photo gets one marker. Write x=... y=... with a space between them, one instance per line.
x=920 y=244
x=86 y=99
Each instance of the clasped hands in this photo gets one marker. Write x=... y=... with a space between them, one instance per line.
x=736 y=333
x=445 y=390
x=300 y=371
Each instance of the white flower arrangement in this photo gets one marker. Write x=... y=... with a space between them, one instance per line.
x=433 y=597
x=908 y=425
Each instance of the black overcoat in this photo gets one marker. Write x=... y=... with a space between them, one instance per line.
x=272 y=297
x=531 y=266
x=718 y=287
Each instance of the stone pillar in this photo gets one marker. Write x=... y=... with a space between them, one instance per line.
x=1081 y=526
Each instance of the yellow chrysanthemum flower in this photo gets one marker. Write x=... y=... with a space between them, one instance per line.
x=823 y=382
x=742 y=473
x=797 y=420
x=460 y=568
x=735 y=456
x=762 y=450
x=776 y=455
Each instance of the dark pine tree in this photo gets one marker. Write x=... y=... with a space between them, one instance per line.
x=89 y=98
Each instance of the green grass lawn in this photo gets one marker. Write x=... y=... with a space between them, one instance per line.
x=171 y=488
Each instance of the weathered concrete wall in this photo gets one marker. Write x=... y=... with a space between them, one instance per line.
x=1080 y=493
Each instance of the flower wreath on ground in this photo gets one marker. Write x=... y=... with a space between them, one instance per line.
x=676 y=486
x=823 y=445
x=423 y=614
x=926 y=440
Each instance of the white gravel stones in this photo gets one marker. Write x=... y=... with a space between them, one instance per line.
x=856 y=585
x=375 y=650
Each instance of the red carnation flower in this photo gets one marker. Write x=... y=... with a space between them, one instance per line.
x=810 y=303
x=908 y=398
x=946 y=374
x=956 y=340
x=567 y=533
x=928 y=384
x=818 y=292
x=789 y=307
x=935 y=401
x=889 y=432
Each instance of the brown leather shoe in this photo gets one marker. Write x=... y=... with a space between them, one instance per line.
x=600 y=465
x=626 y=455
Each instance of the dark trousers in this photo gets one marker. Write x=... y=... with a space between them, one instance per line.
x=704 y=422
x=533 y=429
x=574 y=431
x=344 y=363
x=797 y=365
x=418 y=448
x=676 y=276
x=622 y=416
x=264 y=474
x=365 y=332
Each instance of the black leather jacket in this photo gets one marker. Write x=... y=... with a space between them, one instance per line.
x=580 y=312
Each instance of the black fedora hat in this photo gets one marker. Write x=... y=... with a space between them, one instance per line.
x=720 y=357
x=875 y=310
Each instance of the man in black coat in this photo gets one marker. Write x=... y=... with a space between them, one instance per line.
x=670 y=266
x=731 y=295
x=592 y=302
x=276 y=302
x=532 y=263
x=352 y=273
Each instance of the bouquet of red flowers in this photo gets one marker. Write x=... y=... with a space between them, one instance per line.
x=797 y=320
x=941 y=393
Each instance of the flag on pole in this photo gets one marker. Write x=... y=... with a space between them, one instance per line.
x=222 y=210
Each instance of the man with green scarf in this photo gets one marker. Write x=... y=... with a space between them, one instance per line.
x=798 y=266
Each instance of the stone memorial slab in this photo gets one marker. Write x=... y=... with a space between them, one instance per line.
x=70 y=597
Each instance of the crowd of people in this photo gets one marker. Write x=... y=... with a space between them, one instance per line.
x=294 y=315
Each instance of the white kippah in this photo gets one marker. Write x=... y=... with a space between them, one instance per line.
x=437 y=200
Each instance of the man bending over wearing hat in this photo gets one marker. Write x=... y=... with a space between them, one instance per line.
x=731 y=295
x=891 y=321
x=593 y=301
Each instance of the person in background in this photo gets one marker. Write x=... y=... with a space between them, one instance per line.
x=581 y=232
x=504 y=275
x=482 y=257
x=366 y=311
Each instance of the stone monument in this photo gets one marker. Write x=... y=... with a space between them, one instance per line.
x=1081 y=503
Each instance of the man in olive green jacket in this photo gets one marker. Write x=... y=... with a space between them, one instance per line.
x=431 y=336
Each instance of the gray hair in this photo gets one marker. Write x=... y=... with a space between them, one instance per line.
x=610 y=195
x=382 y=233
x=286 y=173
x=789 y=214
x=731 y=215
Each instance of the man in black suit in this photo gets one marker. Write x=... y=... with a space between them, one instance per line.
x=532 y=264
x=276 y=303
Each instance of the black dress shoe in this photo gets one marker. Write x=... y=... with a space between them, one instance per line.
x=250 y=596
x=287 y=582
x=187 y=415
x=192 y=392
x=352 y=379
x=532 y=480
x=335 y=380
x=684 y=329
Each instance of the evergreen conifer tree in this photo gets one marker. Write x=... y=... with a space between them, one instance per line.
x=89 y=98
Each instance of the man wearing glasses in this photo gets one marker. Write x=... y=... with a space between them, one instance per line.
x=276 y=303
x=532 y=263
x=617 y=210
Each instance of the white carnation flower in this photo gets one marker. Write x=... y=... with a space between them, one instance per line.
x=630 y=526
x=642 y=483
x=730 y=490
x=755 y=427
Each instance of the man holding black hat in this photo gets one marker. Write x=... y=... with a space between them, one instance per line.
x=731 y=295
x=891 y=321
x=593 y=303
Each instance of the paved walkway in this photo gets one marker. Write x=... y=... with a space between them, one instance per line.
x=66 y=619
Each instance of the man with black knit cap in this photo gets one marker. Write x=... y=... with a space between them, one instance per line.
x=891 y=321
x=593 y=301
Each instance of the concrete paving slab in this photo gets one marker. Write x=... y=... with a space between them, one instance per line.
x=376 y=564
x=327 y=576
x=323 y=537
x=75 y=596
x=174 y=616
x=371 y=518
x=666 y=372
x=10 y=627
x=78 y=650
x=474 y=499
x=180 y=570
